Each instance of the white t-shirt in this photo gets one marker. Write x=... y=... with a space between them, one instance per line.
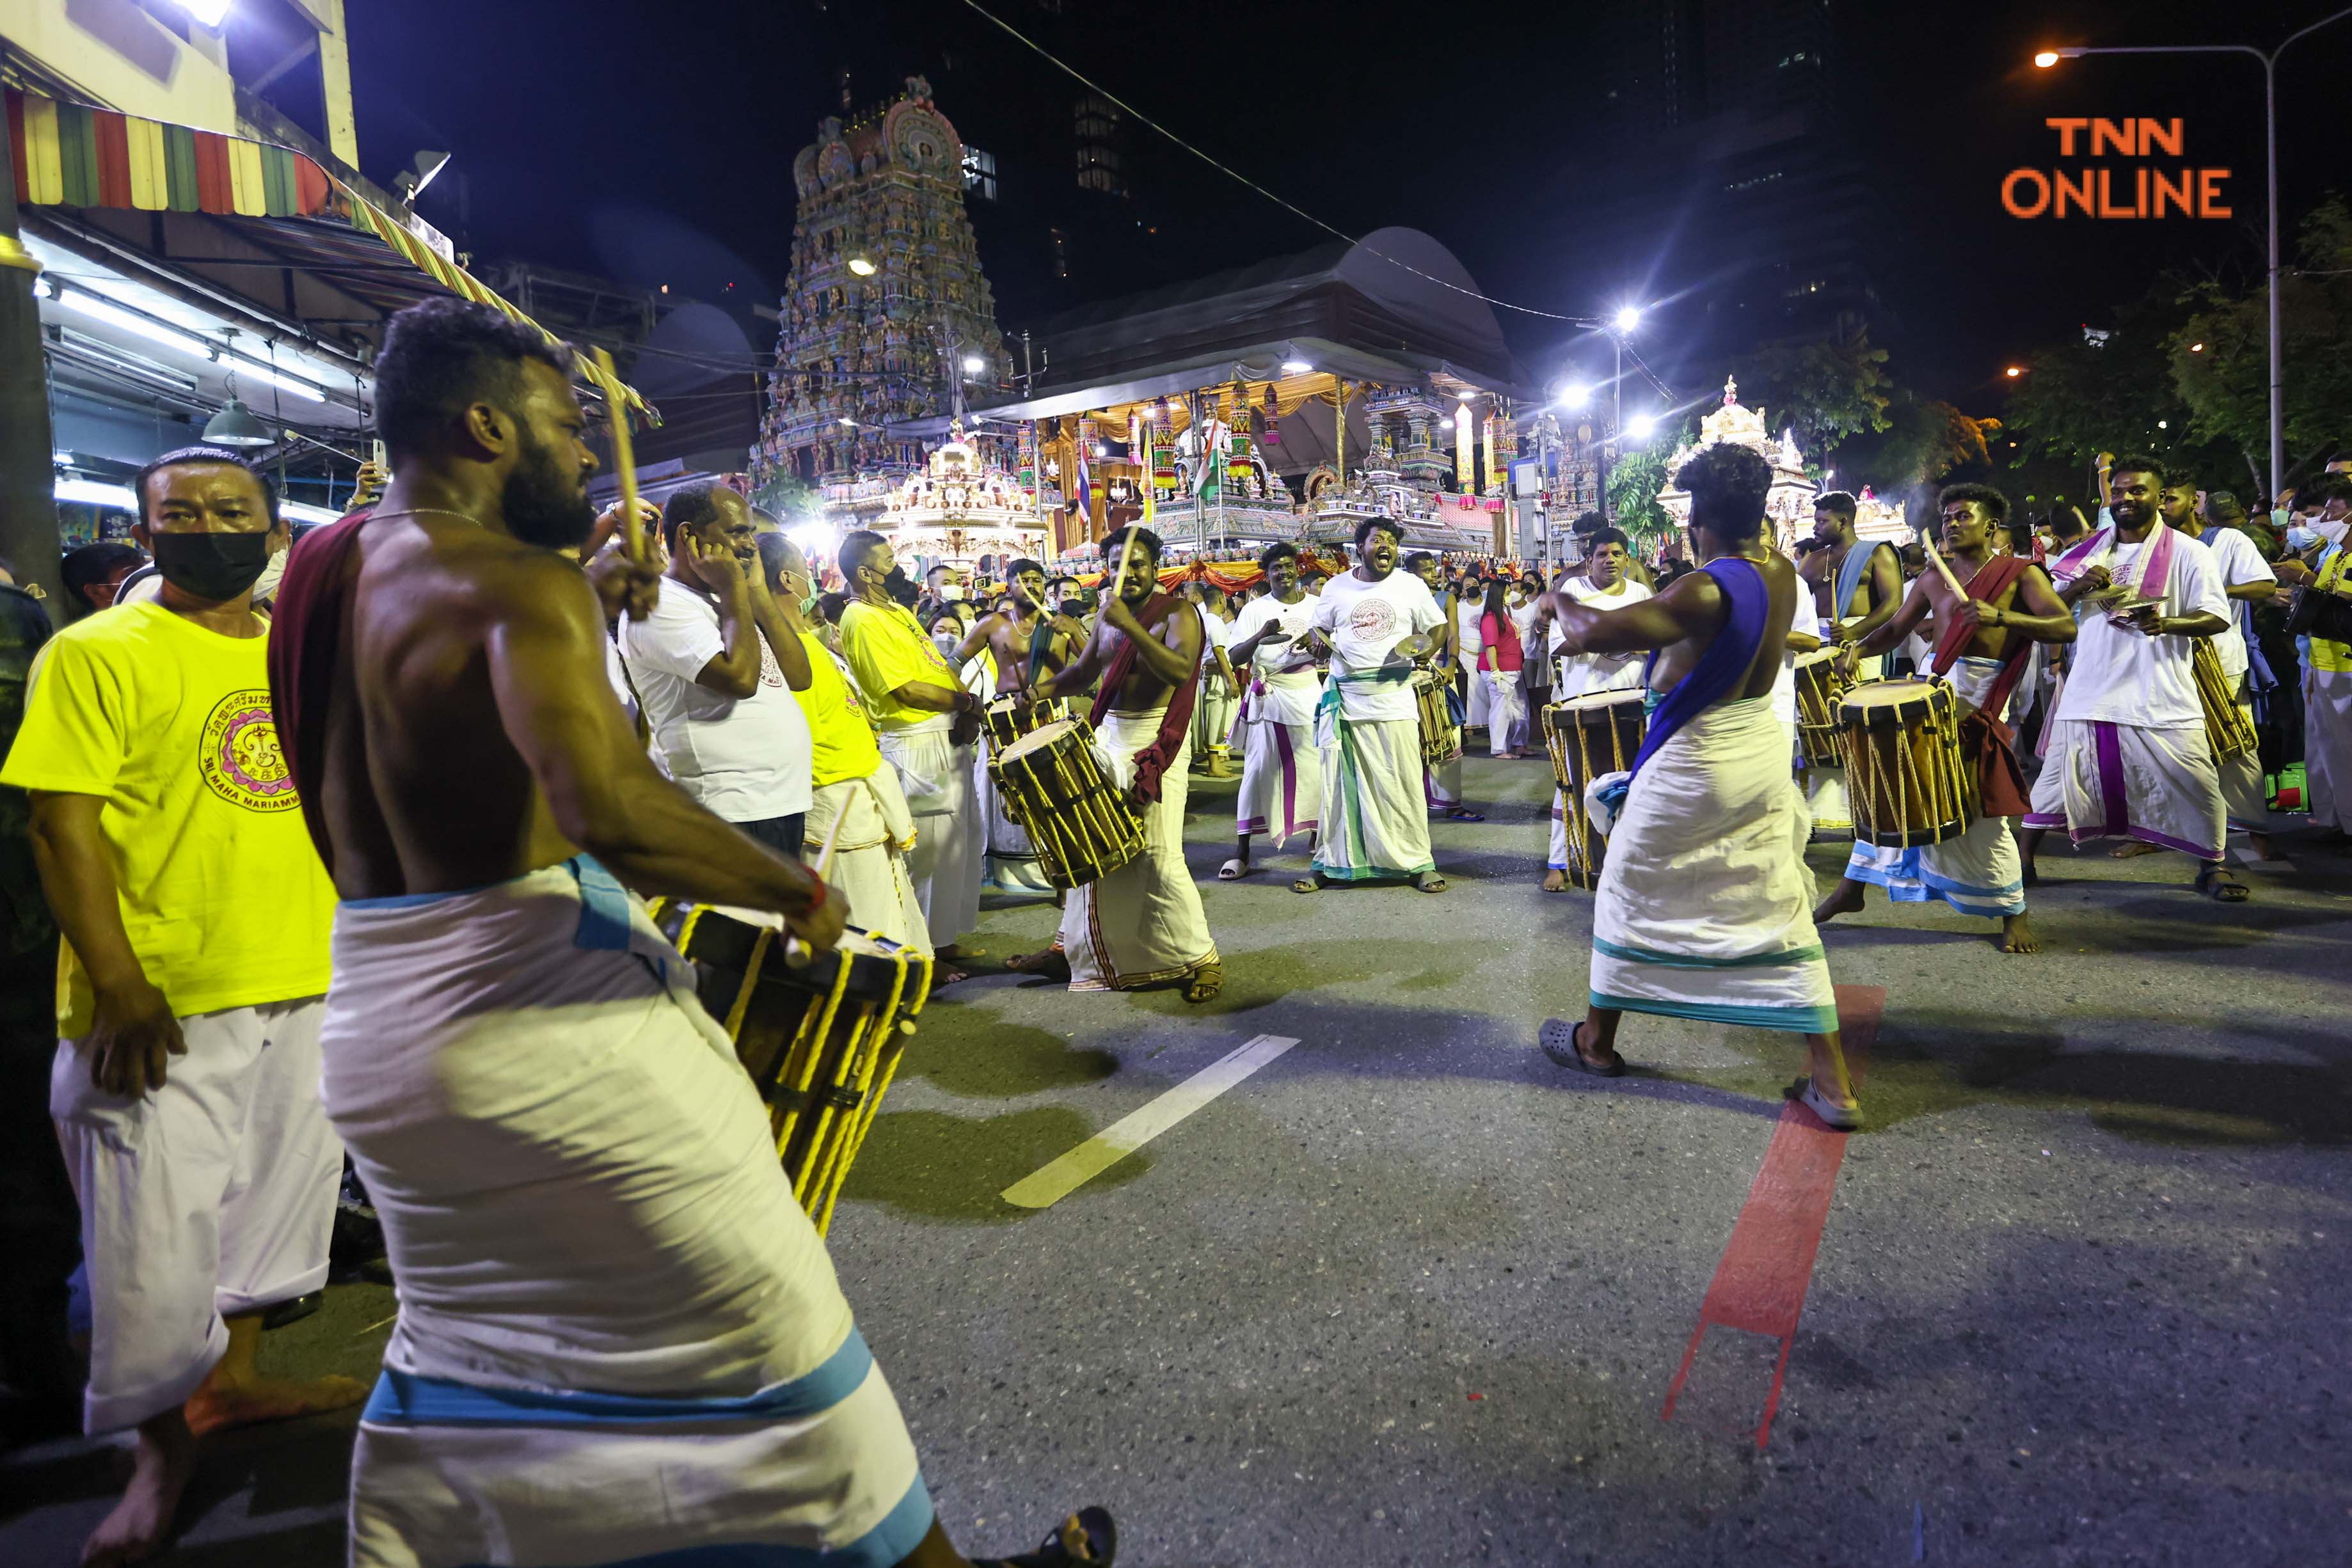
x=1291 y=699
x=1466 y=613
x=1216 y=633
x=2239 y=563
x=1365 y=621
x=1804 y=618
x=744 y=759
x=1583 y=672
x=2121 y=676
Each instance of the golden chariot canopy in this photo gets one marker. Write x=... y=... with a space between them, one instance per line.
x=958 y=509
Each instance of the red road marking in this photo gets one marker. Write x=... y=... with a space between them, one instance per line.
x=1768 y=1264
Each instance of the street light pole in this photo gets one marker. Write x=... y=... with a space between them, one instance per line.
x=2049 y=58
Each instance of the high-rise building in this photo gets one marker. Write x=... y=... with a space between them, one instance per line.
x=886 y=304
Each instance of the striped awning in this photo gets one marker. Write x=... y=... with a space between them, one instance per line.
x=71 y=155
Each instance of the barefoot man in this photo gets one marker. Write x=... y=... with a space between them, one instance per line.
x=1704 y=907
x=1376 y=624
x=620 y=1339
x=1857 y=585
x=1982 y=646
x=1141 y=925
x=1281 y=782
x=2128 y=756
x=185 y=1086
x=1027 y=641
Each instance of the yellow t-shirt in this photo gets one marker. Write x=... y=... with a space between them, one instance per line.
x=222 y=896
x=841 y=741
x=886 y=647
x=2334 y=657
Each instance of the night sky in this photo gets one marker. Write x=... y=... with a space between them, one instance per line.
x=653 y=143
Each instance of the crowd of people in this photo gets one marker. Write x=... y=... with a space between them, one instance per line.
x=344 y=842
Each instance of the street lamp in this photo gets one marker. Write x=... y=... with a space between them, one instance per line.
x=2014 y=371
x=2048 y=58
x=973 y=364
x=1576 y=394
x=1628 y=318
x=1641 y=427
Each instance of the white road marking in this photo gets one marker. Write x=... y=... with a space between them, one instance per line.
x=1056 y=1181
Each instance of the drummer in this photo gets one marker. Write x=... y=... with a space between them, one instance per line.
x=1857 y=587
x=1606 y=583
x=1026 y=640
x=1442 y=781
x=1982 y=647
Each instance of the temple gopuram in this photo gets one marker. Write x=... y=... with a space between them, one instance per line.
x=885 y=302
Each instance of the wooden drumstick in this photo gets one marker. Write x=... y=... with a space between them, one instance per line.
x=624 y=463
x=1935 y=559
x=796 y=952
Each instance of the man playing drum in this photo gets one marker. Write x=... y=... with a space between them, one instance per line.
x=619 y=1335
x=1705 y=909
x=2128 y=756
x=1027 y=641
x=1282 y=780
x=1606 y=584
x=1857 y=585
x=1984 y=640
x=1374 y=622
x=1141 y=925
x=1443 y=781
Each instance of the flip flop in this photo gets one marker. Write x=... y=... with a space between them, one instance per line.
x=1308 y=884
x=1837 y=1118
x=1429 y=882
x=2210 y=883
x=1085 y=1538
x=1458 y=815
x=1558 y=1037
x=1234 y=870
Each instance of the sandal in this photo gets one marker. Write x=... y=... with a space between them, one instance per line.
x=1836 y=1117
x=1234 y=870
x=1309 y=883
x=1464 y=814
x=1205 y=982
x=1087 y=1537
x=1429 y=882
x=1558 y=1040
x=2219 y=884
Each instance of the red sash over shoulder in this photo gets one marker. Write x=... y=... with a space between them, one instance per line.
x=1986 y=741
x=306 y=642
x=1174 y=727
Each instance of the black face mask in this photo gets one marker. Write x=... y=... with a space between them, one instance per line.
x=899 y=586
x=217 y=566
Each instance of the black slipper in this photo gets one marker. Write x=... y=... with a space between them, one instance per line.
x=1558 y=1038
x=1086 y=1538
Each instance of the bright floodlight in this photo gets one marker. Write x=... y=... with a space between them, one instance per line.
x=844 y=419
x=1641 y=427
x=1628 y=318
x=1576 y=394
x=973 y=364
x=2046 y=58
x=209 y=12
x=1296 y=367
x=861 y=267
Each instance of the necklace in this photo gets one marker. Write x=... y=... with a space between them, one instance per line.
x=427 y=512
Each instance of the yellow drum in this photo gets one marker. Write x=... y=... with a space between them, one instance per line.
x=1441 y=738
x=821 y=1042
x=1052 y=783
x=1819 y=688
x=1006 y=720
x=1597 y=733
x=1904 y=773
x=2226 y=723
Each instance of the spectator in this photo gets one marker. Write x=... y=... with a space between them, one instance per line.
x=195 y=916
x=716 y=667
x=93 y=574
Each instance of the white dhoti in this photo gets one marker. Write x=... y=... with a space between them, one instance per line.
x=1826 y=795
x=1557 y=860
x=1281 y=793
x=1705 y=907
x=1980 y=872
x=1010 y=857
x=1143 y=922
x=935 y=775
x=1375 y=810
x=620 y=1339
x=2102 y=780
x=2327 y=746
x=2243 y=795
x=1212 y=718
x=1478 y=700
x=870 y=856
x=1507 y=710
x=212 y=1196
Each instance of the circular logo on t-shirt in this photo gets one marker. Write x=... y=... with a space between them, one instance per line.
x=1373 y=620
x=239 y=756
x=771 y=673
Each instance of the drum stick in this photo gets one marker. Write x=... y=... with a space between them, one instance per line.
x=796 y=952
x=1935 y=558
x=624 y=463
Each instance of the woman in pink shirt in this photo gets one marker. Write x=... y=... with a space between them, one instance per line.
x=1498 y=666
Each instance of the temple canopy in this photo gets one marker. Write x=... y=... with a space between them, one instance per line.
x=1394 y=307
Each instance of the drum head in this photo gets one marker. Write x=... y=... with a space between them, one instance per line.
x=1038 y=740
x=1894 y=702
x=1818 y=656
x=1602 y=702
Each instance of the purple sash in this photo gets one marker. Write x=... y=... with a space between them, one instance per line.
x=1724 y=664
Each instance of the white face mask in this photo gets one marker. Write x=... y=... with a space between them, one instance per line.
x=951 y=593
x=2332 y=531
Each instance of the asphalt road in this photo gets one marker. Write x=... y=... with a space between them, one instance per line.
x=1407 y=1293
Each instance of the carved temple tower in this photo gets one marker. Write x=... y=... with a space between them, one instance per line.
x=885 y=302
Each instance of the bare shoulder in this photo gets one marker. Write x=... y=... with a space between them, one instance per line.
x=470 y=575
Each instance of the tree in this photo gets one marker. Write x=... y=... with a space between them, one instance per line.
x=790 y=499
x=1825 y=390
x=1923 y=442
x=1636 y=478
x=2217 y=358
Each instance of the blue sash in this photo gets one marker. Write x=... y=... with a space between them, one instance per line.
x=1849 y=578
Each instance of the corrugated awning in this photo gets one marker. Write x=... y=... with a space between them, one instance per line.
x=72 y=155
